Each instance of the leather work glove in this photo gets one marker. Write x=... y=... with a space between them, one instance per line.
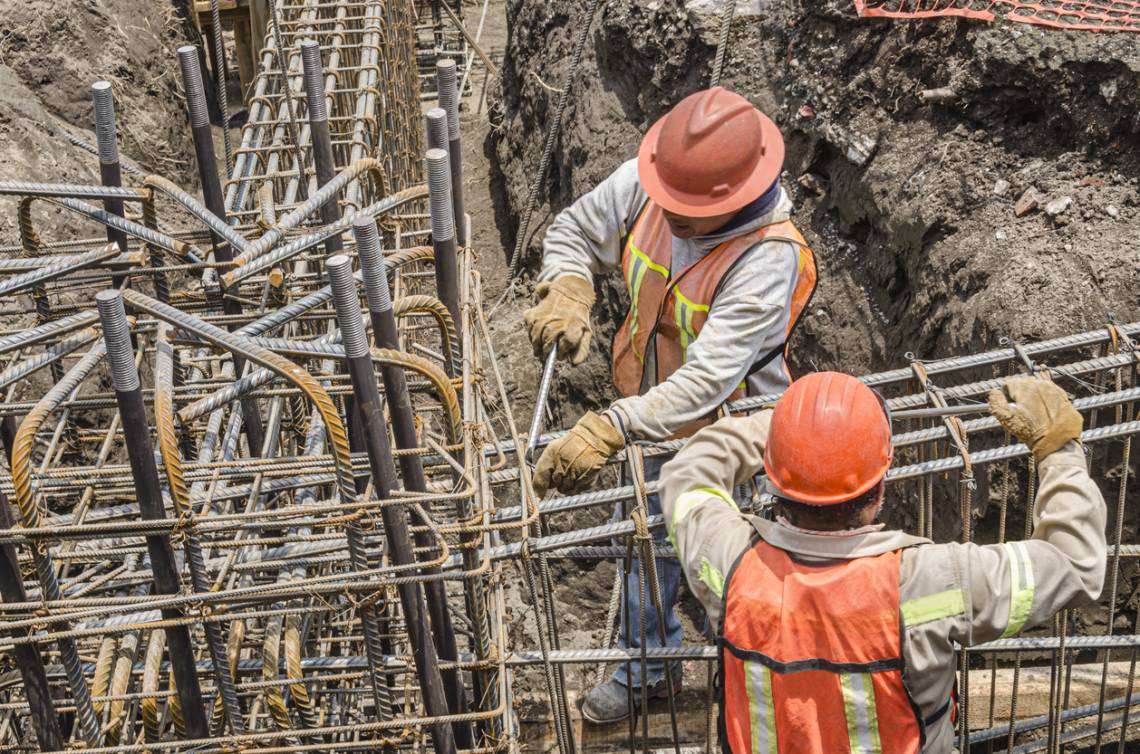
x=562 y=316
x=1043 y=418
x=570 y=462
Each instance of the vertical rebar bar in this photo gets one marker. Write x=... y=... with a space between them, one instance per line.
x=222 y=81
x=449 y=101
x=411 y=465
x=438 y=172
x=28 y=660
x=148 y=490
x=199 y=115
x=110 y=172
x=323 y=159
x=435 y=124
x=383 y=467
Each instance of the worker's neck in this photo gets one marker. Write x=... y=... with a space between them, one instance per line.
x=825 y=523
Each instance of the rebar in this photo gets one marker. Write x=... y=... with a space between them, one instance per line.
x=303 y=582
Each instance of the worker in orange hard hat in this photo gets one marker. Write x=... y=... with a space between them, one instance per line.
x=717 y=277
x=835 y=634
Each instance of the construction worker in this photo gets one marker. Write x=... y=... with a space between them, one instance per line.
x=717 y=277
x=837 y=635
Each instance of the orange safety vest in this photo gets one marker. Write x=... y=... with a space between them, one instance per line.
x=811 y=657
x=671 y=306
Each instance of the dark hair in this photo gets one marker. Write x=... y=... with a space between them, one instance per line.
x=836 y=517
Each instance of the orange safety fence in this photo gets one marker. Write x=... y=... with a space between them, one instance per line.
x=1085 y=15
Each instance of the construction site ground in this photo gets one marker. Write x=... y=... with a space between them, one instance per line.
x=1005 y=207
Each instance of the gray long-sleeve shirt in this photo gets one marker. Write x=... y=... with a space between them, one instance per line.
x=748 y=318
x=950 y=594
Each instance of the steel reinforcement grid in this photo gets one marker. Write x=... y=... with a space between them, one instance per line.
x=265 y=486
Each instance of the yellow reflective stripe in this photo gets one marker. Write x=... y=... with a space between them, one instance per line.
x=682 y=298
x=758 y=682
x=711 y=577
x=933 y=607
x=859 y=705
x=683 y=311
x=718 y=492
x=645 y=258
x=637 y=270
x=679 y=313
x=638 y=266
x=689 y=500
x=1021 y=587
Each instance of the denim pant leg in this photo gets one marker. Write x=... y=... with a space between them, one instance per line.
x=669 y=577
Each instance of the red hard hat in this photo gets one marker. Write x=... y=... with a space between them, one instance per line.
x=829 y=441
x=710 y=155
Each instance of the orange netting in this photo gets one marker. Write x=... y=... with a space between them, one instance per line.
x=1087 y=15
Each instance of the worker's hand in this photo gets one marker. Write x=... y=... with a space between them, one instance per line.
x=571 y=461
x=562 y=316
x=1043 y=418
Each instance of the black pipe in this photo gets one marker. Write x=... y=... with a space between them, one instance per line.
x=395 y=518
x=148 y=490
x=110 y=172
x=28 y=660
x=411 y=465
x=443 y=241
x=449 y=100
x=199 y=114
x=323 y=160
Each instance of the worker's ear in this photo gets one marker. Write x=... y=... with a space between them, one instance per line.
x=879 y=501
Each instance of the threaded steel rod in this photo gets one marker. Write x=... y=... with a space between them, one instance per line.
x=449 y=102
x=363 y=378
x=110 y=174
x=132 y=413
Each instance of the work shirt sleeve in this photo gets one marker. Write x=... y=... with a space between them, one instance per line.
x=702 y=520
x=1002 y=589
x=748 y=319
x=585 y=238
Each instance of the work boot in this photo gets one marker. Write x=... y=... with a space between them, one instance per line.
x=609 y=702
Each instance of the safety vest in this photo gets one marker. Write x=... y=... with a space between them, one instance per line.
x=671 y=306
x=811 y=657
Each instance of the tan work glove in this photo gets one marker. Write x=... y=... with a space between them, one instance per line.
x=570 y=462
x=562 y=316
x=1043 y=418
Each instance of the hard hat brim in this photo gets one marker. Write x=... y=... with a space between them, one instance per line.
x=767 y=170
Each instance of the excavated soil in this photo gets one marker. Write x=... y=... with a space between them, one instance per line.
x=51 y=51
x=909 y=202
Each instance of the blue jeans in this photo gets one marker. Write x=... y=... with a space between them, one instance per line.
x=669 y=578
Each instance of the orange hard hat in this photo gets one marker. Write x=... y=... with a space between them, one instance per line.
x=829 y=441
x=710 y=155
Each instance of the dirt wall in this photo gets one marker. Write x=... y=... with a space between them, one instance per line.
x=910 y=203
x=51 y=51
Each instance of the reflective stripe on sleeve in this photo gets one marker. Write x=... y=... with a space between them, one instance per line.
x=859 y=704
x=1021 y=587
x=711 y=577
x=933 y=607
x=689 y=500
x=758 y=680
